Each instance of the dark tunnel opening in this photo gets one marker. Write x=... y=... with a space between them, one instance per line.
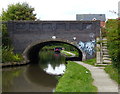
x=33 y=52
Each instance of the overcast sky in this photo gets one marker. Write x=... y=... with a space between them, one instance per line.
x=67 y=9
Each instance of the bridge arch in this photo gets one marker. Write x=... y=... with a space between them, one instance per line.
x=31 y=52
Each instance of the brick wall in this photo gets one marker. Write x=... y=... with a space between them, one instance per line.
x=23 y=33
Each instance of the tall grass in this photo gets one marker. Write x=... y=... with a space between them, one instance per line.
x=113 y=72
x=9 y=56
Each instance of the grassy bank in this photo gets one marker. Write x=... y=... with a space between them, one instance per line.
x=64 y=52
x=75 y=52
x=90 y=61
x=113 y=72
x=72 y=52
x=76 y=79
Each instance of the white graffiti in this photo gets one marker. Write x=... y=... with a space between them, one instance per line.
x=87 y=47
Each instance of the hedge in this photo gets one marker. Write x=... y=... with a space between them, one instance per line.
x=113 y=36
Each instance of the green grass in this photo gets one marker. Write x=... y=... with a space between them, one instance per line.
x=50 y=47
x=101 y=65
x=113 y=72
x=76 y=79
x=67 y=54
x=75 y=52
x=90 y=61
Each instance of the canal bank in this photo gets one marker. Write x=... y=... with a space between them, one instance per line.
x=13 y=64
x=42 y=76
x=45 y=75
x=76 y=79
x=101 y=79
x=35 y=77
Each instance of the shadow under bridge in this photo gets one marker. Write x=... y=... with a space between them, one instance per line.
x=31 y=53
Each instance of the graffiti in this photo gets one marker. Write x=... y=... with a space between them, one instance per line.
x=87 y=47
x=91 y=35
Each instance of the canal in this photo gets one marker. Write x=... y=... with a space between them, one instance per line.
x=35 y=77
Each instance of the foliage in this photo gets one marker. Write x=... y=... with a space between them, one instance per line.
x=90 y=61
x=49 y=57
x=0 y=18
x=18 y=12
x=9 y=56
x=113 y=72
x=5 y=36
x=103 y=32
x=113 y=36
x=66 y=46
x=76 y=79
x=7 y=50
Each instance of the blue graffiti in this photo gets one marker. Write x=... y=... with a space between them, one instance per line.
x=87 y=47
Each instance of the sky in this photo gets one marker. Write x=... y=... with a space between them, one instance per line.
x=67 y=9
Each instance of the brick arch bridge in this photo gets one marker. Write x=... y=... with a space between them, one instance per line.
x=31 y=52
x=28 y=36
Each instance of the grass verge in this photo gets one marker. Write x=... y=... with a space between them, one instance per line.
x=75 y=52
x=76 y=79
x=113 y=72
x=64 y=52
x=90 y=61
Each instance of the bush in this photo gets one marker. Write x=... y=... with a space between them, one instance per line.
x=9 y=56
x=113 y=36
x=5 y=36
x=103 y=32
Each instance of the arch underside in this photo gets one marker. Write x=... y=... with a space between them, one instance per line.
x=31 y=53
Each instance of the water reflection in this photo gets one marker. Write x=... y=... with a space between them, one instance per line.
x=54 y=64
x=59 y=70
x=8 y=76
x=34 y=77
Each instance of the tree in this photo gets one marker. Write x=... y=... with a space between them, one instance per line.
x=18 y=12
x=14 y=12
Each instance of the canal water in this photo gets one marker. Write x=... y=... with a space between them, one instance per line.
x=41 y=77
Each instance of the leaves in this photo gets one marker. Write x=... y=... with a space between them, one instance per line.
x=18 y=12
x=113 y=36
x=9 y=56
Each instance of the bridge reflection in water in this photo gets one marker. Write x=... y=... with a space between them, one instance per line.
x=41 y=77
